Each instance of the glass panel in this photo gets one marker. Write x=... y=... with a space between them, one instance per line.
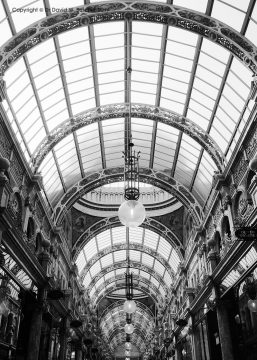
x=228 y=15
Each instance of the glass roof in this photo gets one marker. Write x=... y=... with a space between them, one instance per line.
x=245 y=263
x=84 y=68
x=152 y=258
x=115 y=320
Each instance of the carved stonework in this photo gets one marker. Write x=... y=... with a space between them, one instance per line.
x=226 y=242
x=16 y=170
x=2 y=89
x=251 y=142
x=226 y=202
x=5 y=145
x=15 y=208
x=239 y=170
x=244 y=209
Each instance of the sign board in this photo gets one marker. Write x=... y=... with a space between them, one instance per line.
x=246 y=234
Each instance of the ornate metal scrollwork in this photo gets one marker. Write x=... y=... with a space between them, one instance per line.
x=145 y=111
x=124 y=264
x=122 y=246
x=167 y=14
x=150 y=176
x=137 y=278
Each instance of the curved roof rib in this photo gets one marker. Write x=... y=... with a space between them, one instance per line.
x=165 y=14
x=137 y=111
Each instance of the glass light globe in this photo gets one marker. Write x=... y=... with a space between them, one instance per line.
x=129 y=306
x=129 y=328
x=127 y=345
x=252 y=305
x=131 y=213
x=127 y=353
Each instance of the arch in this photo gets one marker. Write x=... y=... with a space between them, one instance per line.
x=165 y=14
x=118 y=313
x=138 y=278
x=145 y=111
x=139 y=331
x=124 y=264
x=120 y=304
x=106 y=292
x=147 y=175
x=123 y=246
x=137 y=338
x=106 y=223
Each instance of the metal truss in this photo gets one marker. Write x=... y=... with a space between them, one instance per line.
x=154 y=296
x=165 y=14
x=147 y=175
x=136 y=278
x=123 y=246
x=145 y=111
x=124 y=264
x=106 y=223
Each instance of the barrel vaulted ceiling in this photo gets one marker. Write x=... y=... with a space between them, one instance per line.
x=71 y=74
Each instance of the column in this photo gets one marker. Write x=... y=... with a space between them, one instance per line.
x=64 y=334
x=178 y=355
x=78 y=349
x=196 y=353
x=35 y=328
x=224 y=331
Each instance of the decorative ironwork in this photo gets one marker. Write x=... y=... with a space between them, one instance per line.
x=156 y=178
x=106 y=223
x=122 y=264
x=122 y=246
x=131 y=173
x=138 y=278
x=167 y=14
x=118 y=305
x=114 y=287
x=111 y=111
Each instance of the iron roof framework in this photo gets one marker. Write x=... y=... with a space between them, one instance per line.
x=67 y=100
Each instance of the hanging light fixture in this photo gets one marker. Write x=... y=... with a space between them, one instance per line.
x=129 y=328
x=131 y=212
x=250 y=288
x=128 y=345
x=129 y=305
